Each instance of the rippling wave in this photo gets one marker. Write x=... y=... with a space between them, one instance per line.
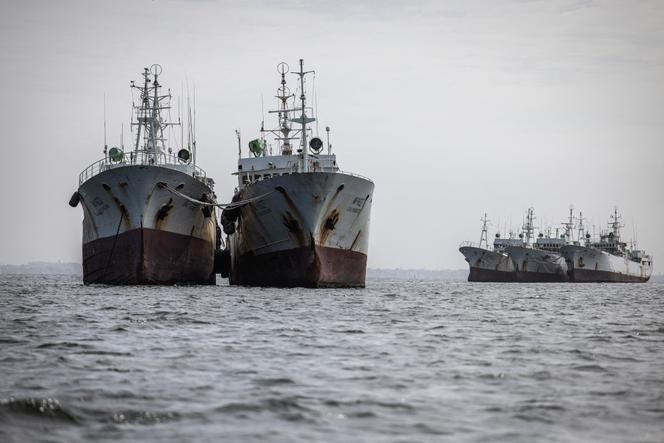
x=401 y=360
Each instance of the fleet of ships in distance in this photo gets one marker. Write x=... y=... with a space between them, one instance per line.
x=295 y=219
x=571 y=256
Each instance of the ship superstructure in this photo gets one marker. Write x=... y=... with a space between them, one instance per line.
x=608 y=259
x=308 y=224
x=142 y=223
x=489 y=264
x=539 y=260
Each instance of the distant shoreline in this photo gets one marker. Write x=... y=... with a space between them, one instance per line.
x=43 y=268
x=72 y=268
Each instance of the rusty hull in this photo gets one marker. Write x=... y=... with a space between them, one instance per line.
x=310 y=230
x=484 y=275
x=320 y=267
x=135 y=231
x=148 y=256
x=591 y=276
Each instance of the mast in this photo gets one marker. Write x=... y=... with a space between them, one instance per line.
x=140 y=110
x=303 y=120
x=148 y=116
x=569 y=225
x=180 y=117
x=239 y=144
x=483 y=236
x=193 y=130
x=615 y=224
x=581 y=233
x=284 y=132
x=105 y=144
x=154 y=124
x=528 y=227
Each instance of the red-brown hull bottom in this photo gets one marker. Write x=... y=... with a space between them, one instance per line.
x=148 y=256
x=321 y=267
x=490 y=275
x=592 y=276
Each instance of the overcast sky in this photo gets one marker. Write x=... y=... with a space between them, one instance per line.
x=453 y=108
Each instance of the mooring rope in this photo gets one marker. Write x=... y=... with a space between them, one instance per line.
x=231 y=205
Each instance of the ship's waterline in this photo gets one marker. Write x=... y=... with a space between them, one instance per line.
x=307 y=267
x=145 y=256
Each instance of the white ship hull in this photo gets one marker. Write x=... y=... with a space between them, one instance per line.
x=537 y=265
x=137 y=232
x=594 y=265
x=488 y=266
x=306 y=229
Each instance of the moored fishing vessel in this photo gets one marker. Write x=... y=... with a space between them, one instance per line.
x=540 y=261
x=308 y=223
x=141 y=222
x=486 y=264
x=607 y=260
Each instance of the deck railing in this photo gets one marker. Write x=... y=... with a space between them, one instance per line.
x=141 y=158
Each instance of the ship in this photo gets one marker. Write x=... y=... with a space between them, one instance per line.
x=490 y=264
x=607 y=259
x=148 y=214
x=540 y=260
x=308 y=222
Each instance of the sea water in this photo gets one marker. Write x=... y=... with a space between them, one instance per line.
x=404 y=360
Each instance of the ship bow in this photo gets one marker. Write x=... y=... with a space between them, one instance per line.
x=308 y=229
